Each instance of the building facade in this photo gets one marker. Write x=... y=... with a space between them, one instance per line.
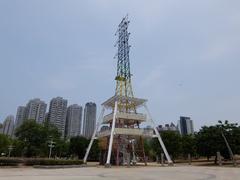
x=58 y=113
x=8 y=126
x=20 y=116
x=74 y=121
x=35 y=110
x=89 y=121
x=185 y=125
x=1 y=128
x=167 y=127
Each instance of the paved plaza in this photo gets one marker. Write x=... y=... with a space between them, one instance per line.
x=122 y=173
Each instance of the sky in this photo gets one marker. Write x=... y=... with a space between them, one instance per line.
x=184 y=55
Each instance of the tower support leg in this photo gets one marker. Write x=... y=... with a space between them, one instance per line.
x=94 y=135
x=143 y=149
x=111 y=136
x=158 y=136
x=118 y=151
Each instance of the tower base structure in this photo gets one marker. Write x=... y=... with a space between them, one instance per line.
x=120 y=135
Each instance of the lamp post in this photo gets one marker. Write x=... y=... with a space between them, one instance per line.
x=51 y=145
x=10 y=148
x=133 y=149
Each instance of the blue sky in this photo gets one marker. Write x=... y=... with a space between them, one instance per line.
x=184 y=54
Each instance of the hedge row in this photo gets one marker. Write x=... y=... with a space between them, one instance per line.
x=10 y=162
x=37 y=161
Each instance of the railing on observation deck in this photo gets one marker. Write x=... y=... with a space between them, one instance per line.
x=133 y=116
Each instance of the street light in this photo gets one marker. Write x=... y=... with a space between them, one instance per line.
x=10 y=148
x=133 y=149
x=51 y=145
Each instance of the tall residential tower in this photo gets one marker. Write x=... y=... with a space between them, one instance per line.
x=20 y=117
x=8 y=126
x=89 y=122
x=35 y=110
x=57 y=113
x=74 y=121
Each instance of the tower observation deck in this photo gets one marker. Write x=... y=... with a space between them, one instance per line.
x=121 y=139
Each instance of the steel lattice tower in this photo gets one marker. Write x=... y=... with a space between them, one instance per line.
x=123 y=78
x=121 y=139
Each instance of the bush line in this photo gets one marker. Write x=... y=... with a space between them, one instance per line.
x=37 y=161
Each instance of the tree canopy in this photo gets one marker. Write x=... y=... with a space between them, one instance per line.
x=210 y=140
x=32 y=140
x=35 y=137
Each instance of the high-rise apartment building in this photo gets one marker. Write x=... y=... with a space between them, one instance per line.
x=1 y=128
x=35 y=110
x=74 y=121
x=89 y=122
x=57 y=113
x=8 y=126
x=185 y=126
x=20 y=117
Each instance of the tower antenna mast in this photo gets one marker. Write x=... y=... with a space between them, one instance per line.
x=123 y=78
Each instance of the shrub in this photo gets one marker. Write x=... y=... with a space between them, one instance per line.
x=10 y=161
x=49 y=162
x=37 y=161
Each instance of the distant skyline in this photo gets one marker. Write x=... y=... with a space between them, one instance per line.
x=184 y=55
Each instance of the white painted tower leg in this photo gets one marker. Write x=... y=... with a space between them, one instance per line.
x=158 y=136
x=94 y=135
x=111 y=136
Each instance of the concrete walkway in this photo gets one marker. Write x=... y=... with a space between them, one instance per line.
x=122 y=173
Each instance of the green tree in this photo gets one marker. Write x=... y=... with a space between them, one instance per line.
x=51 y=131
x=148 y=148
x=231 y=131
x=34 y=138
x=188 y=145
x=19 y=148
x=61 y=148
x=4 y=143
x=172 y=141
x=94 y=153
x=235 y=142
x=78 y=146
x=209 y=140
